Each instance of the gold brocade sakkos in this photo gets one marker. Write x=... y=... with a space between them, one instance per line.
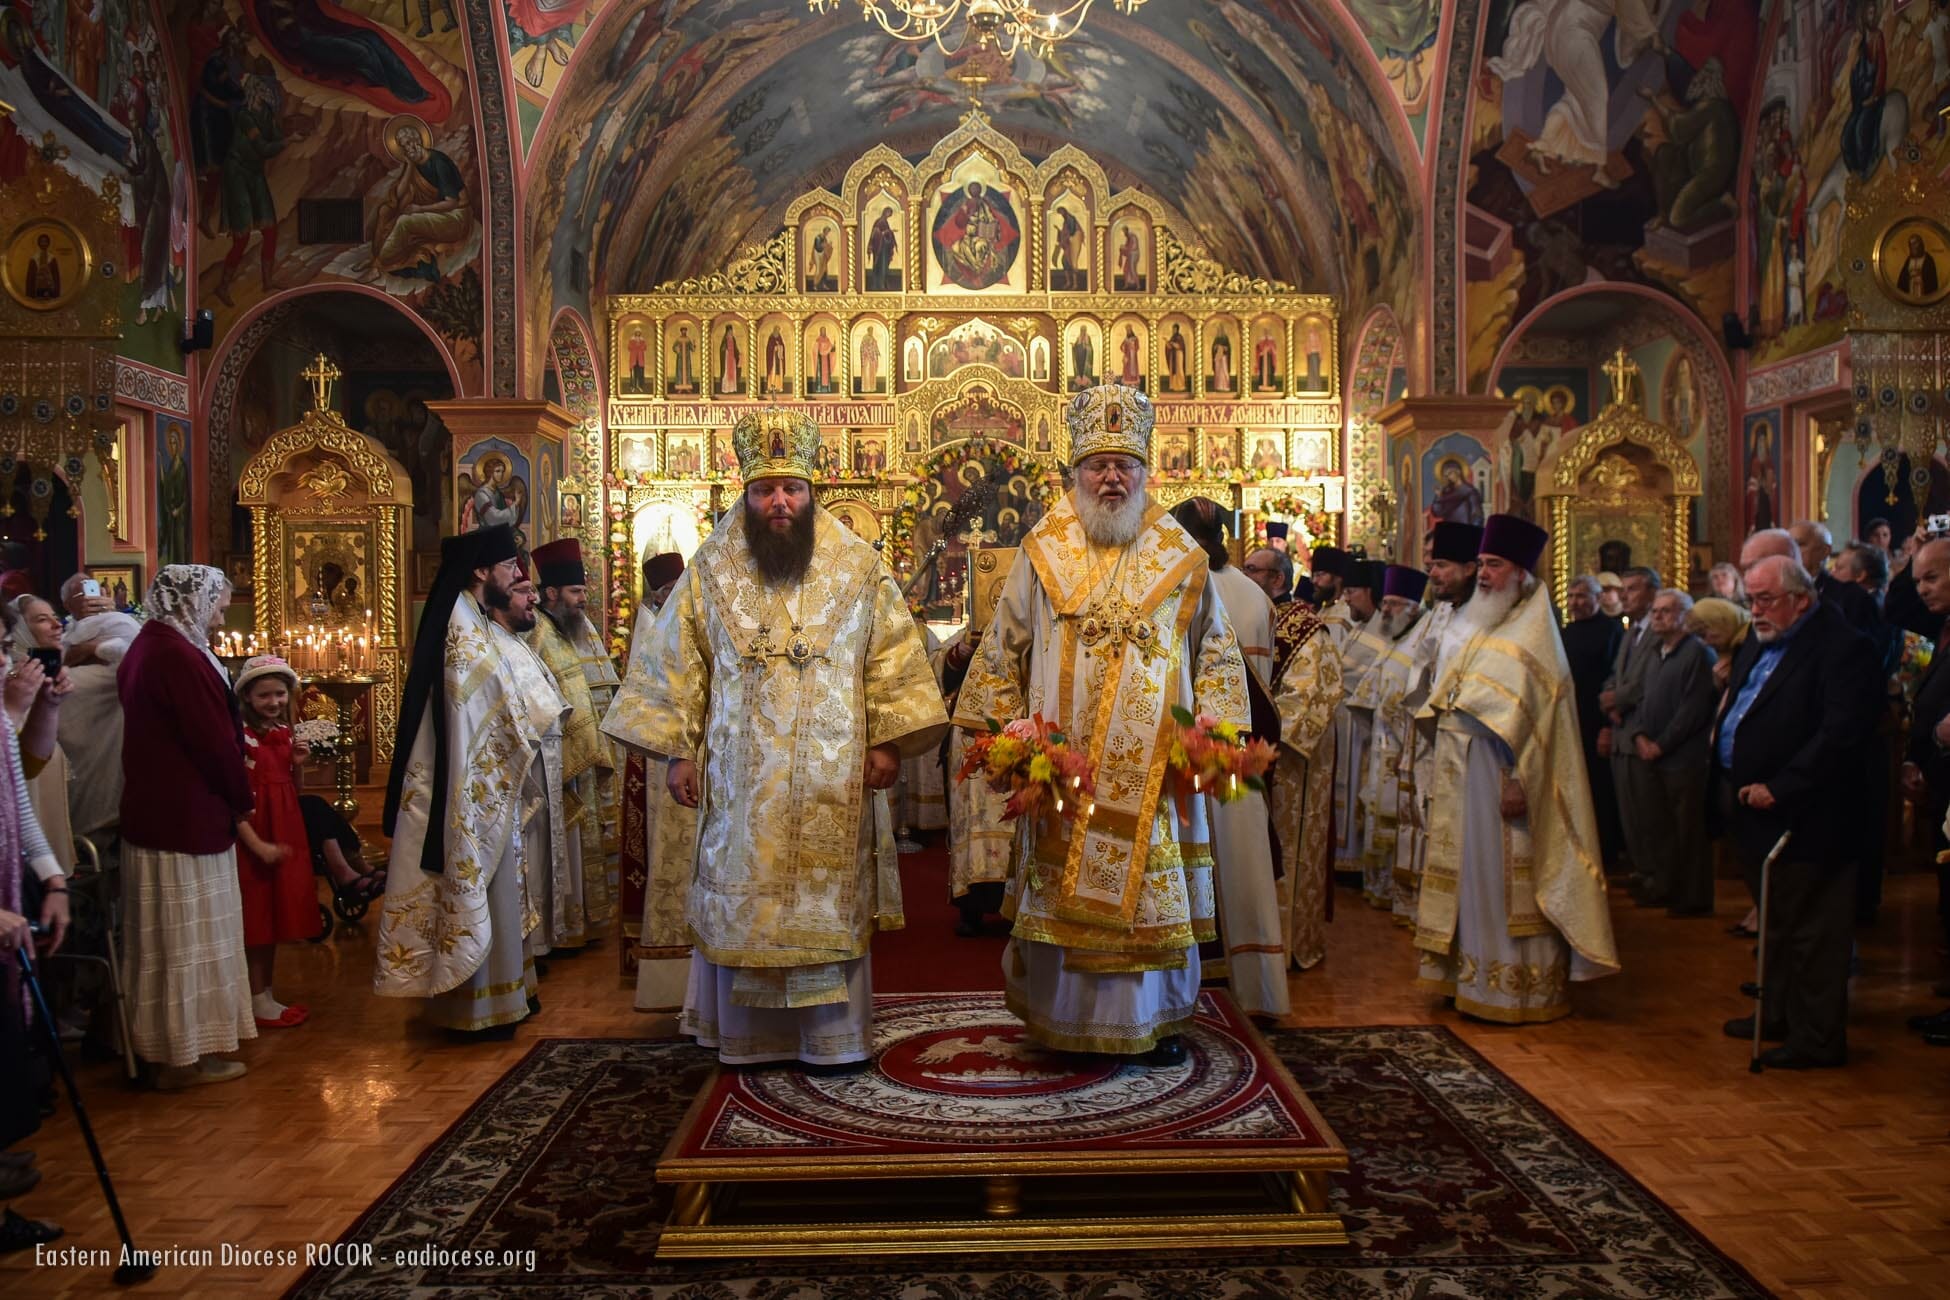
x=1515 y=680
x=784 y=885
x=1124 y=887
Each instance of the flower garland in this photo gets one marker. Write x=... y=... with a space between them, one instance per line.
x=907 y=514
x=1316 y=525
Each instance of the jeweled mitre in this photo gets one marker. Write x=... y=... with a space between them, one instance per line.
x=1110 y=418
x=773 y=443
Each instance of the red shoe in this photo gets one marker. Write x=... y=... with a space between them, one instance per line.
x=293 y=1017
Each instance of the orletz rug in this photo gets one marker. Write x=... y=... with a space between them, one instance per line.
x=1463 y=1185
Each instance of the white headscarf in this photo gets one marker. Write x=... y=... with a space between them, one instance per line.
x=185 y=597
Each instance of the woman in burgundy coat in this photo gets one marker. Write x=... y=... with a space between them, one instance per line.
x=184 y=788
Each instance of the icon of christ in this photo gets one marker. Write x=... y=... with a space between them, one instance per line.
x=976 y=236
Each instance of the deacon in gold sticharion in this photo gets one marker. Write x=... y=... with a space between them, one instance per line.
x=1107 y=621
x=1512 y=903
x=784 y=681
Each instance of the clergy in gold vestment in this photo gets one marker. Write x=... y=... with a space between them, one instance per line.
x=584 y=883
x=980 y=842
x=1451 y=549
x=1513 y=902
x=1354 y=719
x=1250 y=954
x=1107 y=620
x=456 y=914
x=784 y=681
x=659 y=839
x=599 y=671
x=1393 y=689
x=549 y=846
x=1307 y=690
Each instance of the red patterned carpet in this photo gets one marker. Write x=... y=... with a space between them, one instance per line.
x=956 y=1072
x=1462 y=1185
x=927 y=957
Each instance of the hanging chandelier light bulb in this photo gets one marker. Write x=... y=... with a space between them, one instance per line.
x=955 y=26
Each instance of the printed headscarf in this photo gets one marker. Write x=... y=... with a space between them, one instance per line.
x=185 y=597
x=1726 y=620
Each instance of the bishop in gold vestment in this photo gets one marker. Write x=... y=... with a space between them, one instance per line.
x=456 y=915
x=1107 y=620
x=1512 y=903
x=784 y=682
x=584 y=883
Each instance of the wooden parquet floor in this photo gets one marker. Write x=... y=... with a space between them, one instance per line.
x=1832 y=1184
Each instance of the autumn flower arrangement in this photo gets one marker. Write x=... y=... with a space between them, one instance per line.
x=1031 y=762
x=1208 y=756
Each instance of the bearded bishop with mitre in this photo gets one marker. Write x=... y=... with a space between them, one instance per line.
x=784 y=681
x=1107 y=622
x=1512 y=903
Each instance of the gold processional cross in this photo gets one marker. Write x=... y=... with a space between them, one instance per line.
x=1622 y=370
x=322 y=374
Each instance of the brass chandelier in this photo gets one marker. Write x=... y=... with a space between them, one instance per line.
x=1005 y=26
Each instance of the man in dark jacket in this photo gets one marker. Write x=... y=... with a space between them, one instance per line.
x=1638 y=801
x=1800 y=704
x=1673 y=722
x=1924 y=603
x=1591 y=644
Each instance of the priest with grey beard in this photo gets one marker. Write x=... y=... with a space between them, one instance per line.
x=1108 y=618
x=784 y=681
x=1512 y=903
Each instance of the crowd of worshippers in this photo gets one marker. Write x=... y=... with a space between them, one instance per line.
x=1473 y=763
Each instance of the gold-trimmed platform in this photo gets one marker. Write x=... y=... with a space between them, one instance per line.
x=965 y=1137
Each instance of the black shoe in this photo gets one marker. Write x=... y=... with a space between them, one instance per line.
x=1938 y=1023
x=1169 y=1052
x=1750 y=990
x=1785 y=1058
x=839 y=1070
x=1937 y=1040
x=534 y=1006
x=967 y=929
x=1743 y=1029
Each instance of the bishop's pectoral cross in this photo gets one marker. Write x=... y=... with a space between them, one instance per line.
x=976 y=535
x=322 y=374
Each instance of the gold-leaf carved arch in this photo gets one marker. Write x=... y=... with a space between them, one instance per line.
x=1596 y=476
x=385 y=479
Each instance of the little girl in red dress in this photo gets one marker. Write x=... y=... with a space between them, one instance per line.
x=273 y=855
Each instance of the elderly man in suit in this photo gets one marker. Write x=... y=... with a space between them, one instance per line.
x=1673 y=722
x=1591 y=645
x=1800 y=705
x=1638 y=796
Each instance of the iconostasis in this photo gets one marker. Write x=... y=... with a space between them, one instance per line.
x=934 y=318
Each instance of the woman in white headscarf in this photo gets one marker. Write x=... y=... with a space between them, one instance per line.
x=185 y=788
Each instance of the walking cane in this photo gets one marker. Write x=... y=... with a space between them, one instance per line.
x=1760 y=951
x=134 y=1267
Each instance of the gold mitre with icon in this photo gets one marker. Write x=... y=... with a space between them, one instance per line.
x=774 y=443
x=1110 y=418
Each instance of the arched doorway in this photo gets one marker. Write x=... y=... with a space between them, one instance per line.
x=391 y=365
x=1551 y=365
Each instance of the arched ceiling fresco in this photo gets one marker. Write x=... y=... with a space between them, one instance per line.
x=682 y=129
